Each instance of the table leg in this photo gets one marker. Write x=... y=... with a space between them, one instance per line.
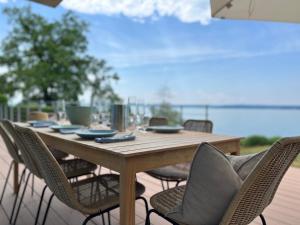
x=237 y=148
x=16 y=177
x=127 y=196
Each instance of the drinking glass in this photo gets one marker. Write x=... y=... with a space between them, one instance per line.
x=61 y=110
x=104 y=113
x=95 y=117
x=141 y=111
x=132 y=113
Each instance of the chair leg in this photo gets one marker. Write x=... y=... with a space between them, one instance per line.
x=103 y=219
x=99 y=170
x=147 y=222
x=168 y=187
x=40 y=205
x=16 y=197
x=32 y=186
x=90 y=217
x=6 y=180
x=47 y=209
x=21 y=199
x=146 y=203
x=162 y=185
x=108 y=218
x=262 y=219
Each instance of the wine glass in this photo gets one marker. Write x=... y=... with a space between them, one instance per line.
x=132 y=113
x=61 y=110
x=141 y=111
x=95 y=117
x=106 y=113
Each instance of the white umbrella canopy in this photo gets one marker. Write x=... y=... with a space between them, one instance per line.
x=269 y=10
x=52 y=3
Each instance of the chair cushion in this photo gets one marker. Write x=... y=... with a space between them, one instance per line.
x=210 y=188
x=169 y=173
x=244 y=164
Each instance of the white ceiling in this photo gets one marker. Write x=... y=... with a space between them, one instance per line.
x=269 y=10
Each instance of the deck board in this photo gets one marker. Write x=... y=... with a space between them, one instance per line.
x=283 y=211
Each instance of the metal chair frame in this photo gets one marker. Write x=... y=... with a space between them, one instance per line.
x=147 y=222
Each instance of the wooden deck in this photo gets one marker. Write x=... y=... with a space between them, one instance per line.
x=285 y=209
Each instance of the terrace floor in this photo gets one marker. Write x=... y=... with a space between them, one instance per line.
x=285 y=209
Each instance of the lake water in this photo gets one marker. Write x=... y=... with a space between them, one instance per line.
x=244 y=122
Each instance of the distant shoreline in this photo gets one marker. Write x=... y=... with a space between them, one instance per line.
x=237 y=106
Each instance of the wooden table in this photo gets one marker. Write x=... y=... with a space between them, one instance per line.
x=148 y=151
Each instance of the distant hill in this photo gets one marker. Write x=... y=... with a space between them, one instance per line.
x=240 y=106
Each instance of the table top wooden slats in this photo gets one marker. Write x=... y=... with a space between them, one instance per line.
x=145 y=143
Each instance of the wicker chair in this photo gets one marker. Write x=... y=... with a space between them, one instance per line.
x=179 y=173
x=73 y=168
x=13 y=152
x=158 y=121
x=255 y=194
x=199 y=125
x=92 y=196
x=38 y=116
x=44 y=116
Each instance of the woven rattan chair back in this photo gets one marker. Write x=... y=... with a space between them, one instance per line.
x=259 y=188
x=158 y=121
x=10 y=145
x=27 y=158
x=38 y=116
x=199 y=125
x=48 y=166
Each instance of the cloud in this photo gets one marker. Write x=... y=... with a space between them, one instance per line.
x=3 y=1
x=186 y=11
x=192 y=54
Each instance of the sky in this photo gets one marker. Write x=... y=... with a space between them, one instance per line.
x=156 y=44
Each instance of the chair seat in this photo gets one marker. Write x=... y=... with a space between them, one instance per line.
x=170 y=173
x=100 y=192
x=77 y=167
x=57 y=154
x=166 y=201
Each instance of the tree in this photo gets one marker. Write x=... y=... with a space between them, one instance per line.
x=44 y=59
x=100 y=75
x=165 y=108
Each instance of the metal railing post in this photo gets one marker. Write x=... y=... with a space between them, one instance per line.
x=27 y=112
x=1 y=111
x=181 y=113
x=11 y=113
x=5 y=112
x=206 y=112
x=18 y=114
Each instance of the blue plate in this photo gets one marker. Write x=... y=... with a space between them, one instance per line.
x=92 y=134
x=41 y=123
x=166 y=129
x=32 y=122
x=57 y=128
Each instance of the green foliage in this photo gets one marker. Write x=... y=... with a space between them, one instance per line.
x=165 y=109
x=33 y=106
x=258 y=140
x=3 y=99
x=99 y=80
x=272 y=140
x=256 y=149
x=44 y=59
